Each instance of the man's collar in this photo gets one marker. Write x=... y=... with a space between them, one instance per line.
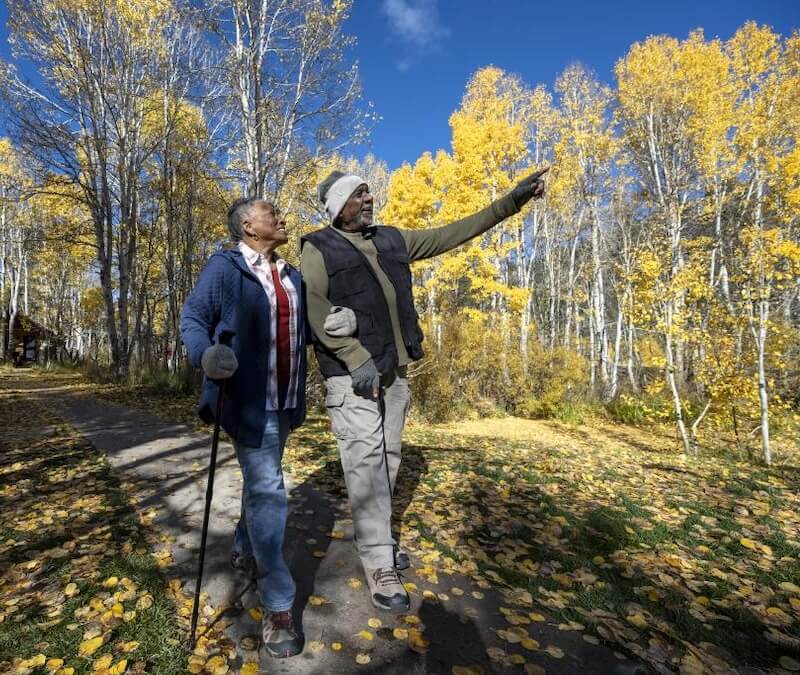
x=366 y=232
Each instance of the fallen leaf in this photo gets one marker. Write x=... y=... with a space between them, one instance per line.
x=89 y=647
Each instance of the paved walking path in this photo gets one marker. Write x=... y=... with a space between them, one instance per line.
x=167 y=465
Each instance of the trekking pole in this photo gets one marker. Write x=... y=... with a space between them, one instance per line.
x=212 y=466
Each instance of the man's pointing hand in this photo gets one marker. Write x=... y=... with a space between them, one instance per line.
x=530 y=187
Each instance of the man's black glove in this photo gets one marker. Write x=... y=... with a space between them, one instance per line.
x=366 y=380
x=531 y=187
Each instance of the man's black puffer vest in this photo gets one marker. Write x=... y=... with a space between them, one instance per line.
x=352 y=283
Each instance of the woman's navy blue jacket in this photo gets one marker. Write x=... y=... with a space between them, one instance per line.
x=228 y=304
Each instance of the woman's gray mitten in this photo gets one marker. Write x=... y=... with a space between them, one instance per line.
x=219 y=362
x=340 y=322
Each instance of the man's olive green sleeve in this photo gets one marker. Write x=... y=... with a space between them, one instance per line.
x=315 y=276
x=423 y=244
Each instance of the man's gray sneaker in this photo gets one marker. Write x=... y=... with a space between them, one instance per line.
x=281 y=640
x=386 y=590
x=401 y=559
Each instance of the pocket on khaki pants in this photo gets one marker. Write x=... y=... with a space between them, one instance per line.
x=334 y=402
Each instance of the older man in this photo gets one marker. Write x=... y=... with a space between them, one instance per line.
x=244 y=322
x=355 y=265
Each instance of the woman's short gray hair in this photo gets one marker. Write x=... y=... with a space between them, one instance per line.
x=236 y=214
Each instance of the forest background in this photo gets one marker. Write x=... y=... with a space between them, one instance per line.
x=658 y=283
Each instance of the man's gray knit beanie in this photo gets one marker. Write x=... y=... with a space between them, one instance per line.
x=325 y=185
x=335 y=190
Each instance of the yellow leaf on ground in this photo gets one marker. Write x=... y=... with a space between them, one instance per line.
x=256 y=613
x=363 y=659
x=336 y=646
x=316 y=600
x=54 y=664
x=789 y=587
x=417 y=642
x=517 y=659
x=354 y=583
x=400 y=633
x=145 y=602
x=375 y=623
x=555 y=652
x=119 y=667
x=529 y=643
x=216 y=665
x=35 y=661
x=365 y=635
x=316 y=646
x=637 y=620
x=103 y=662
x=496 y=654
x=71 y=589
x=195 y=665
x=250 y=668
x=747 y=543
x=89 y=647
x=110 y=582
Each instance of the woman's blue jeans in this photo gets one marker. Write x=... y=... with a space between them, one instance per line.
x=262 y=524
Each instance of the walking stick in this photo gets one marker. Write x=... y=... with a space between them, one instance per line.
x=212 y=466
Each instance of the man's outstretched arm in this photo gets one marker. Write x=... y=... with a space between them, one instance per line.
x=423 y=244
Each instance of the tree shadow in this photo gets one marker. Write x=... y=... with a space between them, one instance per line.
x=454 y=639
x=313 y=505
x=413 y=466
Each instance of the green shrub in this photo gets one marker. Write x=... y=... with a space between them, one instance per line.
x=642 y=409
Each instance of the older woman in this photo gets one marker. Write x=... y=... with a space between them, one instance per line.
x=244 y=322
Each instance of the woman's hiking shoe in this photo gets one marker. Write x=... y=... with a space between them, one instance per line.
x=281 y=640
x=386 y=590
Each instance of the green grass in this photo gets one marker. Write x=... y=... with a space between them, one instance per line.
x=37 y=475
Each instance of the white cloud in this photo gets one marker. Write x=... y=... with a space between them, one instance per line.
x=415 y=21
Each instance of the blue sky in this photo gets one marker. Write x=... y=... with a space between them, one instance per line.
x=416 y=56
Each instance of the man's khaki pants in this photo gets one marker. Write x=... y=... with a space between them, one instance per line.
x=361 y=431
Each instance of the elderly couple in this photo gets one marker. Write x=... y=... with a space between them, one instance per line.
x=246 y=321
